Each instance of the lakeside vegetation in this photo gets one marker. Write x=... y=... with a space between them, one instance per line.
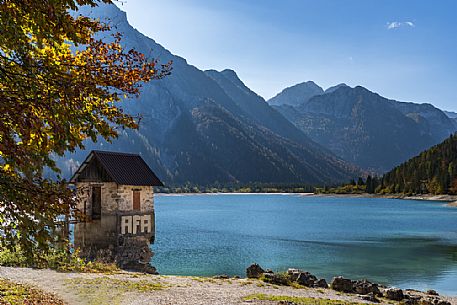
x=295 y=300
x=14 y=293
x=434 y=171
x=189 y=188
x=56 y=259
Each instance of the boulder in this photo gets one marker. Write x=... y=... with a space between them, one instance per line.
x=433 y=300
x=432 y=292
x=254 y=271
x=370 y=297
x=277 y=279
x=395 y=294
x=221 y=277
x=306 y=279
x=293 y=274
x=426 y=302
x=365 y=287
x=322 y=283
x=412 y=299
x=293 y=270
x=341 y=284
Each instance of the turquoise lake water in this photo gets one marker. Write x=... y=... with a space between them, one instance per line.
x=408 y=244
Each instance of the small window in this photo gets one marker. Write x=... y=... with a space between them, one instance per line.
x=136 y=201
x=96 y=202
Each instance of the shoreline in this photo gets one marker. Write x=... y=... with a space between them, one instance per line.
x=450 y=199
x=126 y=287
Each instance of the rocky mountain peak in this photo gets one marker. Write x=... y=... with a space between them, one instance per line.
x=297 y=94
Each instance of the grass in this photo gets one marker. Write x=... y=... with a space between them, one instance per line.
x=57 y=260
x=106 y=290
x=13 y=293
x=296 y=300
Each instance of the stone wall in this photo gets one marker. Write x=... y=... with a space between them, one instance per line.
x=101 y=239
x=115 y=198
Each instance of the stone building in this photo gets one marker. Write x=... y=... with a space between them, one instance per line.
x=115 y=200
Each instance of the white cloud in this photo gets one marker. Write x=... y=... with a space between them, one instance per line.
x=398 y=24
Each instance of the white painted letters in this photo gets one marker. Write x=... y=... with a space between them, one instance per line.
x=146 y=224
x=136 y=224
x=126 y=224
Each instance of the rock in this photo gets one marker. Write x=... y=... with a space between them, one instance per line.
x=306 y=279
x=395 y=294
x=277 y=279
x=412 y=299
x=293 y=274
x=365 y=287
x=426 y=302
x=236 y=277
x=432 y=292
x=322 y=283
x=133 y=253
x=293 y=270
x=254 y=271
x=433 y=301
x=221 y=277
x=341 y=284
x=370 y=297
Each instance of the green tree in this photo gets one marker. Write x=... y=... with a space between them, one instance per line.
x=370 y=186
x=53 y=98
x=360 y=182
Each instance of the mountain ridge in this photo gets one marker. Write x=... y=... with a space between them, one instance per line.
x=204 y=127
x=348 y=121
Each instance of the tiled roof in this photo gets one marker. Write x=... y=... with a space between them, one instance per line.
x=122 y=168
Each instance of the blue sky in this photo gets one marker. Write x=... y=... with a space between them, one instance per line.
x=402 y=49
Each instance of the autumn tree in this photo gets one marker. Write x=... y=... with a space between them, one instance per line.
x=59 y=86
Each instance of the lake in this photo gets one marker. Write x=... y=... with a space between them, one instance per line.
x=404 y=243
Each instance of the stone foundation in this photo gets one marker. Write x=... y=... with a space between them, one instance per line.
x=133 y=253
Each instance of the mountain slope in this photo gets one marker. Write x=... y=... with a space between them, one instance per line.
x=296 y=94
x=433 y=171
x=451 y=114
x=206 y=127
x=367 y=129
x=255 y=108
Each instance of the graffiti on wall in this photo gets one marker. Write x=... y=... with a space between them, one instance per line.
x=136 y=224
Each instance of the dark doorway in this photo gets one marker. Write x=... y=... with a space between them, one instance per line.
x=96 y=202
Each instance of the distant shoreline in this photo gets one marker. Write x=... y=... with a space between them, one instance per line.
x=450 y=199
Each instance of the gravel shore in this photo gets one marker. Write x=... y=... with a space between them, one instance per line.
x=137 y=288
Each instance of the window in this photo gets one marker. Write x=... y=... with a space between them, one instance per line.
x=96 y=202
x=136 y=201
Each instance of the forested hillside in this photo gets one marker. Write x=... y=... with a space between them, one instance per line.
x=433 y=171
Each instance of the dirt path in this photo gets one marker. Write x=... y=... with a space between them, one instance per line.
x=135 y=288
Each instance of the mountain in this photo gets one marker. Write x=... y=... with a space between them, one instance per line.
x=334 y=88
x=433 y=171
x=451 y=114
x=205 y=127
x=367 y=129
x=433 y=121
x=297 y=94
